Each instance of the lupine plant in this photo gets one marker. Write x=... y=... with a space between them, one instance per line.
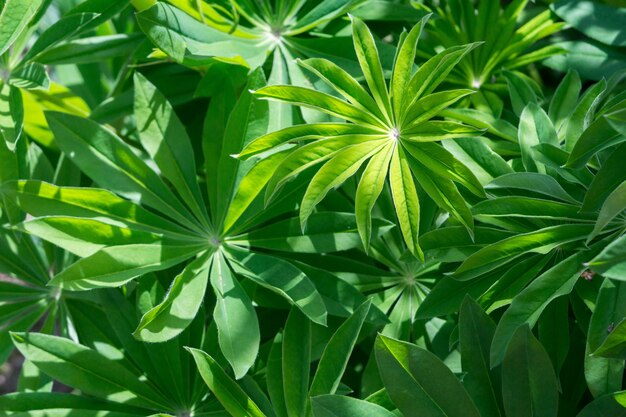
x=305 y=208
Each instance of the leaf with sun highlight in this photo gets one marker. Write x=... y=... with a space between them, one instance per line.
x=389 y=130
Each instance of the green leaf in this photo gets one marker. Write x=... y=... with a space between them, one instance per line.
x=115 y=265
x=296 y=362
x=602 y=22
x=581 y=116
x=604 y=375
x=610 y=175
x=370 y=186
x=301 y=132
x=521 y=92
x=527 y=207
x=188 y=40
x=326 y=232
x=614 y=346
x=338 y=169
x=592 y=60
x=614 y=204
x=443 y=163
x=369 y=60
x=91 y=50
x=309 y=155
x=87 y=370
x=42 y=199
x=419 y=383
x=165 y=139
x=283 y=278
x=476 y=330
x=541 y=241
x=324 y=11
x=598 y=136
x=53 y=404
x=326 y=103
x=247 y=120
x=180 y=305
x=528 y=305
x=236 y=320
x=30 y=76
x=83 y=236
x=565 y=98
x=112 y=163
x=535 y=128
x=341 y=406
x=251 y=186
x=611 y=262
x=344 y=84
x=405 y=200
x=14 y=17
x=529 y=384
x=403 y=65
x=230 y=395
x=610 y=405
x=534 y=182
x=11 y=114
x=337 y=352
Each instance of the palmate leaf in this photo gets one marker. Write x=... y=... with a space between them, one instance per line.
x=165 y=221
x=507 y=44
x=389 y=131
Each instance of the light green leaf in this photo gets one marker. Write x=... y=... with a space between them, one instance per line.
x=251 y=186
x=369 y=189
x=338 y=169
x=42 y=199
x=403 y=65
x=344 y=84
x=180 y=305
x=115 y=265
x=313 y=99
x=369 y=60
x=15 y=16
x=83 y=236
x=300 y=132
x=87 y=370
x=405 y=200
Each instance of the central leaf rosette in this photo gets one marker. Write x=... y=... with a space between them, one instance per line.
x=392 y=130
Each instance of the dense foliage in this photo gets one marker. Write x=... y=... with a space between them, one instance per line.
x=313 y=208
